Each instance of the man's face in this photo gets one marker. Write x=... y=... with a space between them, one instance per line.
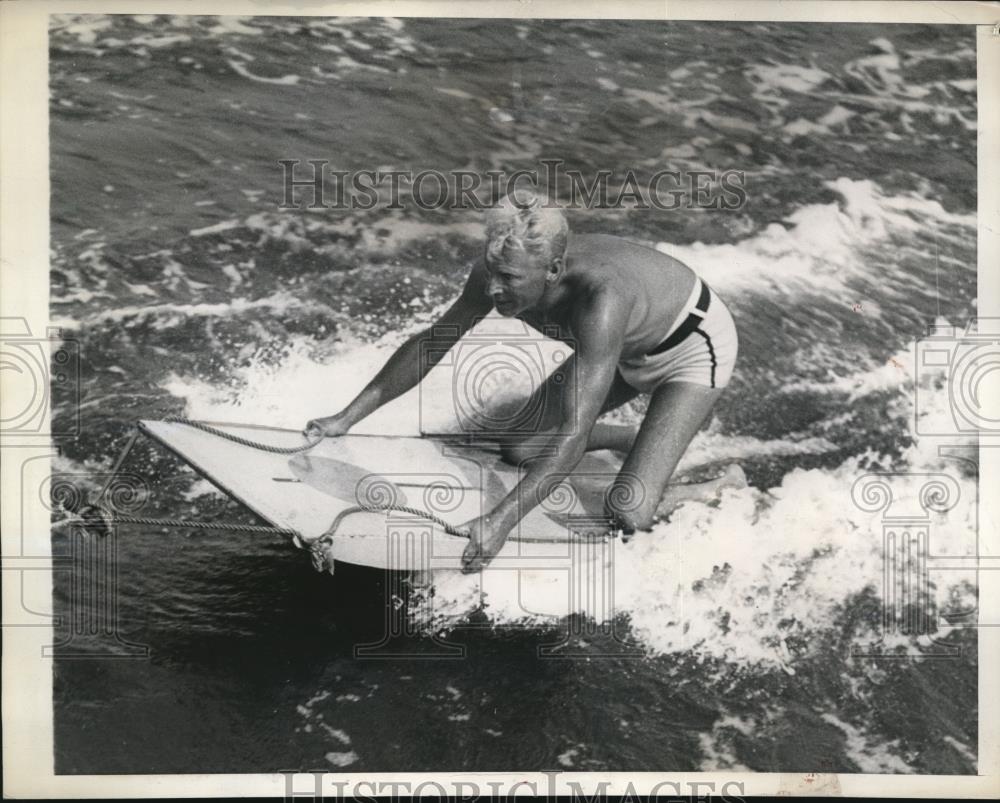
x=516 y=282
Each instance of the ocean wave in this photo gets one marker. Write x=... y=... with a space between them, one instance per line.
x=821 y=247
x=166 y=316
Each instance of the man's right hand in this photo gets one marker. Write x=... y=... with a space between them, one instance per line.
x=330 y=426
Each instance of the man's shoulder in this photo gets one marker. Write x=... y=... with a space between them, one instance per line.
x=587 y=243
x=600 y=302
x=595 y=253
x=599 y=249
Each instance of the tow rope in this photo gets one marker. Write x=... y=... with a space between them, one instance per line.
x=99 y=518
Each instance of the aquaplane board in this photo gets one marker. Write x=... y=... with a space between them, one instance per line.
x=305 y=492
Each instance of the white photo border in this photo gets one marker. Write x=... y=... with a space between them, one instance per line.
x=28 y=762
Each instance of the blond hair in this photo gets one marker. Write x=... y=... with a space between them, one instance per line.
x=523 y=222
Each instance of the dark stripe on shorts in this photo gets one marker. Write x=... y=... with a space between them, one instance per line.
x=687 y=325
x=711 y=353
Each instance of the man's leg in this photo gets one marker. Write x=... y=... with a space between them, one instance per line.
x=603 y=436
x=618 y=437
x=675 y=414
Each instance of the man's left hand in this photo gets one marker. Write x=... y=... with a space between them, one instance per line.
x=486 y=538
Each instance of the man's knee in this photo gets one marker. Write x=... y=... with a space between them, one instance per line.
x=520 y=450
x=629 y=504
x=517 y=453
x=632 y=521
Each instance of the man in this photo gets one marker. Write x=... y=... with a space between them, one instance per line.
x=639 y=322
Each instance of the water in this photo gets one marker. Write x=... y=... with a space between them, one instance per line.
x=738 y=619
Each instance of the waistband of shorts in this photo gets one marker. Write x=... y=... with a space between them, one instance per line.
x=687 y=321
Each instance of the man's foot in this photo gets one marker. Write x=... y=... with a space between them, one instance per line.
x=733 y=477
x=708 y=492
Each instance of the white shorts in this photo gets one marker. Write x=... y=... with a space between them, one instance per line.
x=700 y=347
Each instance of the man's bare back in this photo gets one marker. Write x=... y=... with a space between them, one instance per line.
x=652 y=286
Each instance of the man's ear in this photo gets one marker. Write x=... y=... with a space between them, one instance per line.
x=554 y=270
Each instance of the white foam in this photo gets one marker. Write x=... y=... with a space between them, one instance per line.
x=289 y=393
x=165 y=316
x=962 y=749
x=708 y=447
x=716 y=754
x=84 y=28
x=201 y=487
x=821 y=246
x=215 y=228
x=336 y=733
x=738 y=582
x=895 y=374
x=791 y=77
x=837 y=117
x=566 y=758
x=235 y=25
x=347 y=63
x=342 y=759
x=285 y=80
x=80 y=296
x=869 y=755
x=156 y=42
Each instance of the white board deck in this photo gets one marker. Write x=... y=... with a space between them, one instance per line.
x=306 y=492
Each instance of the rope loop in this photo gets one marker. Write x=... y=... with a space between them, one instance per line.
x=177 y=419
x=100 y=519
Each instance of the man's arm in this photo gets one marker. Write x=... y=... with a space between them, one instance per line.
x=411 y=361
x=601 y=326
